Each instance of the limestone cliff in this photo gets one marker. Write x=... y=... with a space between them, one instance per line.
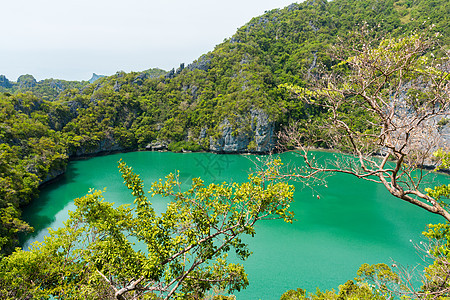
x=104 y=146
x=259 y=137
x=4 y=82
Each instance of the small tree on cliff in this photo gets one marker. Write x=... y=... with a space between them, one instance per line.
x=185 y=256
x=383 y=102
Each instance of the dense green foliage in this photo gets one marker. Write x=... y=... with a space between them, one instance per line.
x=182 y=252
x=30 y=150
x=241 y=74
x=51 y=89
x=381 y=281
x=47 y=89
x=382 y=80
x=44 y=123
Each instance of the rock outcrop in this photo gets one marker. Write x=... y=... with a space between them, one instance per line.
x=106 y=145
x=265 y=136
x=203 y=63
x=157 y=146
x=95 y=77
x=259 y=139
x=139 y=79
x=229 y=142
x=4 y=82
x=53 y=174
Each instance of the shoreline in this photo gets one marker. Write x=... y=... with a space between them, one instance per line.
x=106 y=153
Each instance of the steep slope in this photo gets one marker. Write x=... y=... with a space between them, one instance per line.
x=229 y=100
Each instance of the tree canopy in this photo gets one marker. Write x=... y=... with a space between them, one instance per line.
x=44 y=124
x=129 y=252
x=383 y=102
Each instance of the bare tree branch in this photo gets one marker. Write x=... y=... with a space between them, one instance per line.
x=382 y=103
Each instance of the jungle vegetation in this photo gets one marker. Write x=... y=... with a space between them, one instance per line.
x=44 y=124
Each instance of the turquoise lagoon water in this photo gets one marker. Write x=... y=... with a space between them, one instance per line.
x=351 y=223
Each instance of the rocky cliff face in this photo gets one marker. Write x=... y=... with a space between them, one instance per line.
x=230 y=142
x=105 y=146
x=95 y=77
x=53 y=174
x=108 y=144
x=4 y=82
x=260 y=138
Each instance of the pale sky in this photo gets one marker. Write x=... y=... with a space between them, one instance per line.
x=71 y=39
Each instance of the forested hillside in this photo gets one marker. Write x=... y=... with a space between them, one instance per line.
x=47 y=89
x=228 y=100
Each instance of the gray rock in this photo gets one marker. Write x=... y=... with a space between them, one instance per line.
x=170 y=74
x=229 y=142
x=293 y=6
x=108 y=144
x=139 y=79
x=95 y=77
x=53 y=174
x=237 y=141
x=117 y=86
x=314 y=28
x=265 y=137
x=73 y=107
x=203 y=63
x=203 y=133
x=157 y=146
x=181 y=68
x=4 y=82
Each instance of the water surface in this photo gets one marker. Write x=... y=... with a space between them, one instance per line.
x=351 y=223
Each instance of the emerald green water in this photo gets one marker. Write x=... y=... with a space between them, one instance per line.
x=353 y=221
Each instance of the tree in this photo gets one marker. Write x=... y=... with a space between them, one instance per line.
x=380 y=281
x=96 y=254
x=382 y=103
x=432 y=282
